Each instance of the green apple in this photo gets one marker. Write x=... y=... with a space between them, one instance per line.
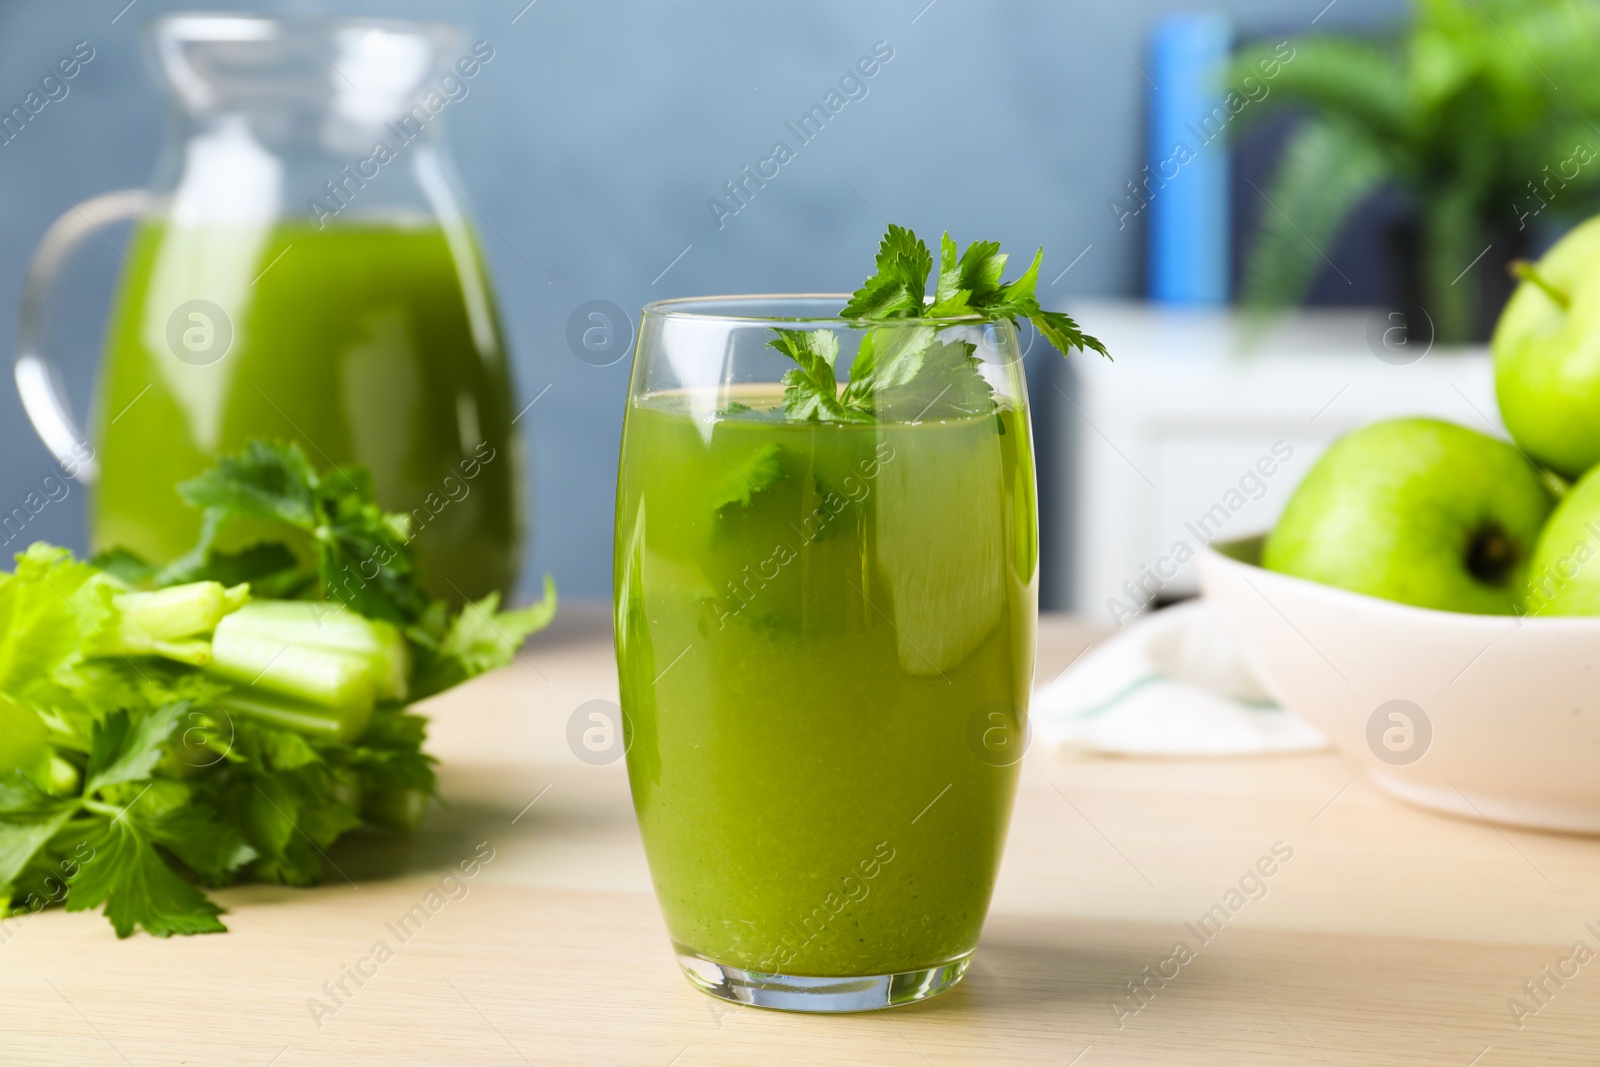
x=1564 y=575
x=1547 y=355
x=1419 y=511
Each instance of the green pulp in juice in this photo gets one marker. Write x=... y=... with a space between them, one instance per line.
x=368 y=344
x=820 y=630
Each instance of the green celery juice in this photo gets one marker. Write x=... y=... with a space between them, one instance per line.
x=816 y=624
x=371 y=344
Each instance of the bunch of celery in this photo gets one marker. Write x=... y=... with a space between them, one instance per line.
x=230 y=715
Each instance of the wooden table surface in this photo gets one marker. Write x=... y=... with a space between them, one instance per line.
x=1389 y=936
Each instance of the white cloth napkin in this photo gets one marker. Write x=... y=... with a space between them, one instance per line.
x=1171 y=684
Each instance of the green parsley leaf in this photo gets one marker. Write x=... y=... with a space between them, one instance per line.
x=896 y=290
x=948 y=384
x=749 y=476
x=123 y=751
x=980 y=269
x=811 y=392
x=1059 y=329
x=480 y=638
x=949 y=284
x=211 y=848
x=364 y=557
x=1016 y=300
x=883 y=297
x=290 y=817
x=398 y=778
x=268 y=567
x=906 y=373
x=28 y=819
x=128 y=566
x=1019 y=293
x=888 y=357
x=137 y=887
x=356 y=536
x=265 y=481
x=173 y=813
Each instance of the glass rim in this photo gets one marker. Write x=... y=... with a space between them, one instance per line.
x=699 y=308
x=203 y=26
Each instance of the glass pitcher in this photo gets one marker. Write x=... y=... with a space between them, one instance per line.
x=299 y=269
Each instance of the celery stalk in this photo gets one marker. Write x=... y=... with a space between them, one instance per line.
x=171 y=622
x=336 y=628
x=179 y=611
x=343 y=725
x=328 y=677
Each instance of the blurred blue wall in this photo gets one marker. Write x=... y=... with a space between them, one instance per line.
x=594 y=140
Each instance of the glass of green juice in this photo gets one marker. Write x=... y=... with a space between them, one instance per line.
x=301 y=268
x=825 y=641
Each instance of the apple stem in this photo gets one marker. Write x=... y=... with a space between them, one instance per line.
x=1521 y=268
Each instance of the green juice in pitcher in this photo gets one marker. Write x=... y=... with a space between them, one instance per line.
x=371 y=344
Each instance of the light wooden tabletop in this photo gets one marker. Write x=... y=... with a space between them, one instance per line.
x=1388 y=935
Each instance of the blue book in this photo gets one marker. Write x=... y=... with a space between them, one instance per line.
x=1185 y=180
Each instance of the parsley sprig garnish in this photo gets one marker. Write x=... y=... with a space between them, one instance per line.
x=903 y=369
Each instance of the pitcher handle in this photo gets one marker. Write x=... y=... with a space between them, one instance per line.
x=36 y=367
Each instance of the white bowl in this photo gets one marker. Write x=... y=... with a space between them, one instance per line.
x=1486 y=716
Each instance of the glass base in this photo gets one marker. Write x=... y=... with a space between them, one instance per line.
x=788 y=992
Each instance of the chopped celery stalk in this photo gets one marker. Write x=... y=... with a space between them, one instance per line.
x=170 y=622
x=343 y=725
x=328 y=677
x=312 y=624
x=237 y=596
x=179 y=611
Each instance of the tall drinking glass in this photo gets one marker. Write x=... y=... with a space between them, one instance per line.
x=825 y=637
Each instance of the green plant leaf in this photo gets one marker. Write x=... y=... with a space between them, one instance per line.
x=137 y=887
x=364 y=555
x=264 y=481
x=122 y=750
x=208 y=846
x=1062 y=332
x=907 y=369
x=1475 y=110
x=947 y=384
x=889 y=358
x=480 y=638
x=749 y=477
x=1450 y=225
x=980 y=270
x=897 y=288
x=811 y=391
x=949 y=284
x=28 y=819
x=1362 y=82
x=1328 y=168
